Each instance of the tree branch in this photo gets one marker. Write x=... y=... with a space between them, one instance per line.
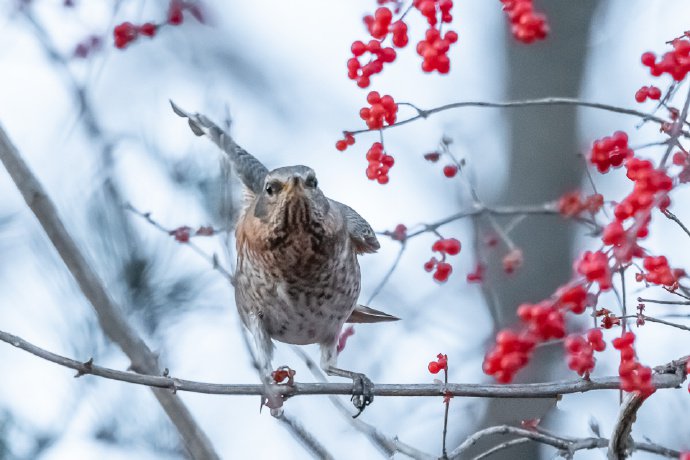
x=109 y=314
x=667 y=377
x=549 y=101
x=621 y=443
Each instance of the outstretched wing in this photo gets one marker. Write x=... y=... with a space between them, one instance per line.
x=362 y=235
x=362 y=314
x=250 y=170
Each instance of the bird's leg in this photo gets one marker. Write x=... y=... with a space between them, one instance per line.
x=362 y=387
x=264 y=356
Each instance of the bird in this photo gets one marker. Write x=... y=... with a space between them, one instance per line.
x=297 y=278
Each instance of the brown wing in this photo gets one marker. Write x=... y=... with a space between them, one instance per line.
x=362 y=235
x=362 y=314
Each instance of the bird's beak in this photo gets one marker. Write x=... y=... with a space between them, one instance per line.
x=294 y=184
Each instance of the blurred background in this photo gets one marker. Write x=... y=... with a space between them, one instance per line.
x=98 y=132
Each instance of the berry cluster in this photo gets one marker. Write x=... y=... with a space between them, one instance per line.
x=610 y=151
x=347 y=140
x=526 y=24
x=382 y=110
x=442 y=269
x=510 y=354
x=676 y=63
x=379 y=164
x=594 y=266
x=608 y=319
x=572 y=204
x=477 y=276
x=634 y=376
x=429 y=8
x=539 y=322
x=434 y=50
x=126 y=33
x=399 y=233
x=651 y=92
x=581 y=351
x=362 y=73
x=184 y=233
x=659 y=272
x=449 y=170
x=651 y=189
x=441 y=364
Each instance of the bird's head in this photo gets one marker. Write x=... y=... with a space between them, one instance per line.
x=291 y=196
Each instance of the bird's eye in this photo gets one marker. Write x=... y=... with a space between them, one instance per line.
x=272 y=188
x=311 y=182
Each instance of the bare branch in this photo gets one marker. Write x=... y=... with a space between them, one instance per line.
x=549 y=101
x=621 y=443
x=667 y=377
x=109 y=314
x=308 y=441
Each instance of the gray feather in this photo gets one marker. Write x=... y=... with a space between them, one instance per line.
x=363 y=314
x=250 y=170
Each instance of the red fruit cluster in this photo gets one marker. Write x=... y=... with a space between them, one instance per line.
x=651 y=92
x=380 y=24
x=572 y=204
x=658 y=271
x=650 y=189
x=362 y=73
x=430 y=8
x=432 y=156
x=382 y=110
x=399 y=233
x=676 y=63
x=450 y=246
x=581 y=351
x=539 y=322
x=595 y=267
x=510 y=354
x=544 y=320
x=610 y=151
x=181 y=234
x=608 y=319
x=634 y=376
x=442 y=269
x=441 y=364
x=526 y=24
x=379 y=164
x=345 y=142
x=126 y=33
x=434 y=50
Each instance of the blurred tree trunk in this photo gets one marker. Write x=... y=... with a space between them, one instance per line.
x=543 y=165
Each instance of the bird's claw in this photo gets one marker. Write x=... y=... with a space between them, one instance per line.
x=362 y=392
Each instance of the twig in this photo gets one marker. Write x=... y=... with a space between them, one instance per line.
x=567 y=445
x=676 y=130
x=660 y=380
x=308 y=441
x=675 y=219
x=664 y=302
x=549 y=101
x=109 y=314
x=388 y=274
x=212 y=260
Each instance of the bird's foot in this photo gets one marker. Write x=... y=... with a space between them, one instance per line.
x=362 y=388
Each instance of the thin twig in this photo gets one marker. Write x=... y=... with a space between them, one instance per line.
x=620 y=443
x=549 y=101
x=676 y=130
x=308 y=441
x=388 y=274
x=675 y=219
x=664 y=302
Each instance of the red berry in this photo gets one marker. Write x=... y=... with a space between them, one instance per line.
x=450 y=170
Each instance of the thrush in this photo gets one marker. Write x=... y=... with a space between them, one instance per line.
x=297 y=278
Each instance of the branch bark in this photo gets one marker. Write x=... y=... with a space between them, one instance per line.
x=109 y=314
x=663 y=379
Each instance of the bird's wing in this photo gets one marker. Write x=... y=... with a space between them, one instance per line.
x=362 y=235
x=362 y=314
x=250 y=170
